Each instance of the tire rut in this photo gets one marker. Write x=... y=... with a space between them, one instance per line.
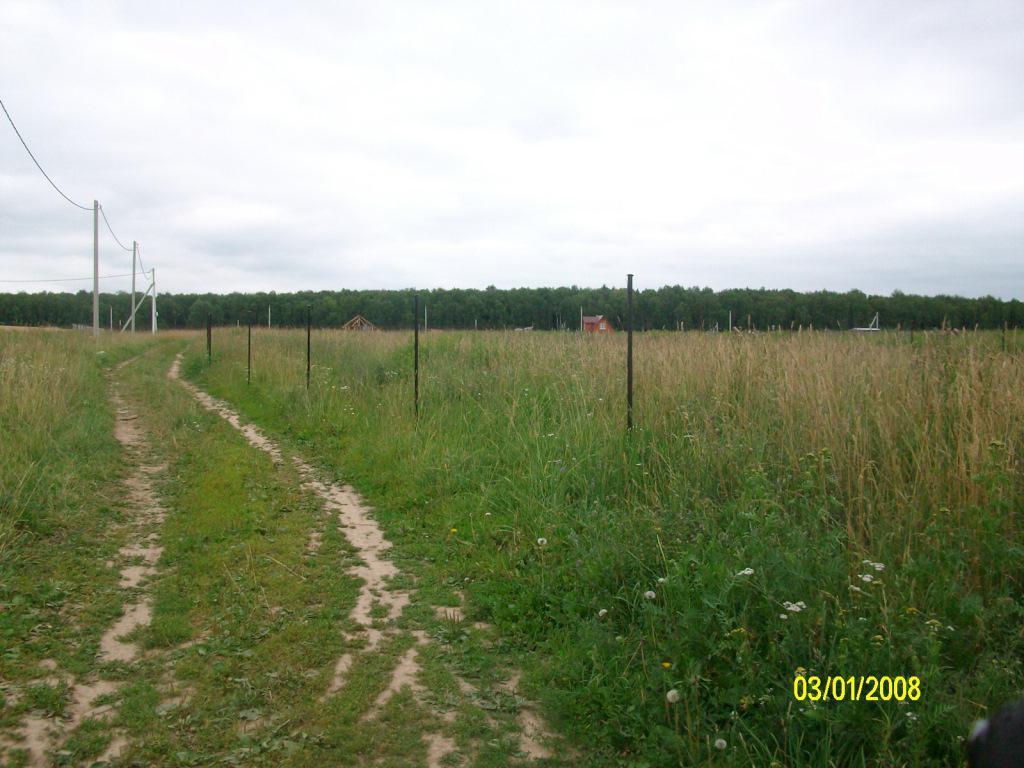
x=376 y=574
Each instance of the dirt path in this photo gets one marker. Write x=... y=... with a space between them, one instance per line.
x=40 y=736
x=379 y=605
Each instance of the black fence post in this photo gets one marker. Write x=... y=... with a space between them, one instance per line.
x=629 y=351
x=309 y=326
x=209 y=338
x=416 y=355
x=248 y=355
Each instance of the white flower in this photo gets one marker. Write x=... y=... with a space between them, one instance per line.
x=661 y=581
x=879 y=566
x=720 y=744
x=649 y=595
x=746 y=572
x=602 y=613
x=855 y=588
x=867 y=578
x=672 y=696
x=794 y=607
x=542 y=542
x=783 y=616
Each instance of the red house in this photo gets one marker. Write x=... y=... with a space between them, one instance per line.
x=597 y=324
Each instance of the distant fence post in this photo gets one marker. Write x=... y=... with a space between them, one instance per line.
x=629 y=351
x=1004 y=335
x=209 y=338
x=248 y=355
x=416 y=355
x=309 y=349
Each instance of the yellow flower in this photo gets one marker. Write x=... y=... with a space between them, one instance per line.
x=800 y=672
x=667 y=664
x=878 y=638
x=455 y=530
x=912 y=610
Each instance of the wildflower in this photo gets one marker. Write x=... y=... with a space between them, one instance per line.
x=794 y=607
x=455 y=530
x=602 y=613
x=720 y=744
x=783 y=616
x=672 y=696
x=912 y=610
x=867 y=578
x=487 y=514
x=666 y=665
x=649 y=595
x=661 y=580
x=746 y=572
x=801 y=672
x=855 y=588
x=542 y=542
x=877 y=639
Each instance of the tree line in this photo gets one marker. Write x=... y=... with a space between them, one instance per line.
x=668 y=307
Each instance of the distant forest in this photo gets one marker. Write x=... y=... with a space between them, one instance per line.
x=542 y=308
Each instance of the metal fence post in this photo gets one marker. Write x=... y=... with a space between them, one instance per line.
x=248 y=370
x=629 y=351
x=416 y=355
x=309 y=321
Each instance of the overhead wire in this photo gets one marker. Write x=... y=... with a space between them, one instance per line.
x=111 y=230
x=138 y=254
x=67 y=279
x=77 y=205
x=52 y=184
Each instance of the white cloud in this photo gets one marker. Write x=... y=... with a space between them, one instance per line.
x=787 y=144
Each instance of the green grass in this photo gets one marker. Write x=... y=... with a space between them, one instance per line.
x=799 y=456
x=59 y=470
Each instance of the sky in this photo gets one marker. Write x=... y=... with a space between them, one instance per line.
x=262 y=146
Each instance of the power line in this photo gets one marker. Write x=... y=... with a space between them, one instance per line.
x=11 y=121
x=67 y=279
x=110 y=229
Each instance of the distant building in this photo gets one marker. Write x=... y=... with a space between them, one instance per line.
x=359 y=323
x=597 y=324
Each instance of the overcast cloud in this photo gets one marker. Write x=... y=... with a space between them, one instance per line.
x=253 y=146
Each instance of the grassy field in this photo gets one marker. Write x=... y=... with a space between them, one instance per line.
x=871 y=485
x=244 y=626
x=819 y=504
